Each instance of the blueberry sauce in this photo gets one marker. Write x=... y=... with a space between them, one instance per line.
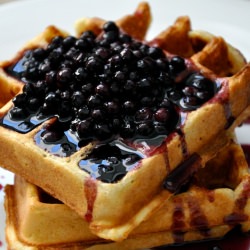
x=22 y=126
x=57 y=139
x=222 y=97
x=104 y=89
x=110 y=162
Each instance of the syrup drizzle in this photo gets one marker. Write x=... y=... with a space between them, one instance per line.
x=182 y=174
x=198 y=219
x=222 y=97
x=178 y=221
x=90 y=189
x=183 y=144
x=233 y=240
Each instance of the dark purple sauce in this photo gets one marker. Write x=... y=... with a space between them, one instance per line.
x=23 y=126
x=63 y=144
x=182 y=173
x=111 y=161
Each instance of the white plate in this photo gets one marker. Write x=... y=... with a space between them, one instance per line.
x=22 y=20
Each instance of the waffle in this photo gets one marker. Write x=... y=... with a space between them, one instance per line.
x=216 y=201
x=65 y=176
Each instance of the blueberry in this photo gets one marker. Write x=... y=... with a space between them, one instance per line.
x=110 y=36
x=65 y=110
x=65 y=95
x=18 y=113
x=145 y=128
x=50 y=77
x=110 y=26
x=20 y=100
x=33 y=104
x=124 y=38
x=102 y=90
x=155 y=52
x=84 y=128
x=57 y=40
x=112 y=107
x=144 y=84
x=82 y=44
x=55 y=57
x=93 y=64
x=147 y=101
x=83 y=112
x=78 y=99
x=163 y=64
x=68 y=42
x=87 y=88
x=147 y=63
x=129 y=107
x=40 y=88
x=51 y=102
x=177 y=64
x=80 y=74
x=98 y=115
x=144 y=114
x=51 y=136
x=129 y=86
x=39 y=53
x=94 y=101
x=127 y=129
x=103 y=53
x=162 y=115
x=127 y=55
x=119 y=76
x=102 y=131
x=64 y=75
x=88 y=35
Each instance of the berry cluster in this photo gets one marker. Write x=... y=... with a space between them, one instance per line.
x=107 y=86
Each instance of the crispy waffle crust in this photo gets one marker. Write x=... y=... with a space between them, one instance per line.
x=108 y=208
x=215 y=202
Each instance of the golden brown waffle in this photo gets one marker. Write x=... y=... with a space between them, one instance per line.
x=136 y=24
x=215 y=202
x=95 y=200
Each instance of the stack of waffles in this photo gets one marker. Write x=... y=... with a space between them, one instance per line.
x=122 y=143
